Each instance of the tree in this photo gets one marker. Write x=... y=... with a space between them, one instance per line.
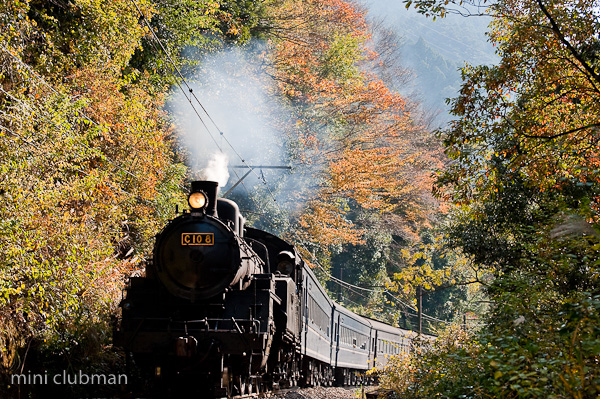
x=524 y=183
x=525 y=138
x=88 y=176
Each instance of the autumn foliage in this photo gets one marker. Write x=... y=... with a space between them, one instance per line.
x=373 y=153
x=523 y=182
x=90 y=173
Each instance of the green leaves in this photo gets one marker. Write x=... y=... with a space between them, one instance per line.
x=525 y=184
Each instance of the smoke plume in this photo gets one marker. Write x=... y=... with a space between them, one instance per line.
x=243 y=119
x=216 y=170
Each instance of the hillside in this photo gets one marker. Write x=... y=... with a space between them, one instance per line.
x=435 y=51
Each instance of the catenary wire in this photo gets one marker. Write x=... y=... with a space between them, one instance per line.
x=191 y=91
x=352 y=287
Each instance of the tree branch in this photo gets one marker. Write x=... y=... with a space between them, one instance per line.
x=554 y=136
x=573 y=50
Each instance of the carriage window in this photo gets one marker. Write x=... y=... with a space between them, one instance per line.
x=318 y=315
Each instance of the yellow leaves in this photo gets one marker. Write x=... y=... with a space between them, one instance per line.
x=233 y=30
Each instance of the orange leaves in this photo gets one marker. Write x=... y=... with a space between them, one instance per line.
x=131 y=128
x=322 y=221
x=370 y=176
x=319 y=44
x=349 y=16
x=376 y=157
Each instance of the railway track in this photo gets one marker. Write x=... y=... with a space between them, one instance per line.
x=353 y=392
x=286 y=393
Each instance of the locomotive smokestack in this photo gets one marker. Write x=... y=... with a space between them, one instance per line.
x=210 y=189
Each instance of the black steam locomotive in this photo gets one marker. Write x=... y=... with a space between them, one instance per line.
x=234 y=310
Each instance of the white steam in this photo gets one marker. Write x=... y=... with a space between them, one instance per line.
x=216 y=170
x=254 y=127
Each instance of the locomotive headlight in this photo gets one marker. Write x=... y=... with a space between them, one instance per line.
x=197 y=200
x=286 y=261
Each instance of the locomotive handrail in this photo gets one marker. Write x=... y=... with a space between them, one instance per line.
x=236 y=325
x=205 y=322
x=266 y=260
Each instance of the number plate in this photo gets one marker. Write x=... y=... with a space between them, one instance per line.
x=197 y=239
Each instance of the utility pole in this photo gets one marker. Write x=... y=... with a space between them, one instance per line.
x=340 y=286
x=420 y=309
x=250 y=169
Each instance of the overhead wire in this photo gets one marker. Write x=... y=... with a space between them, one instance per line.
x=352 y=288
x=404 y=312
x=183 y=81
x=181 y=77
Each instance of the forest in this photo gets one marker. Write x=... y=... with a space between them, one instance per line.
x=488 y=225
